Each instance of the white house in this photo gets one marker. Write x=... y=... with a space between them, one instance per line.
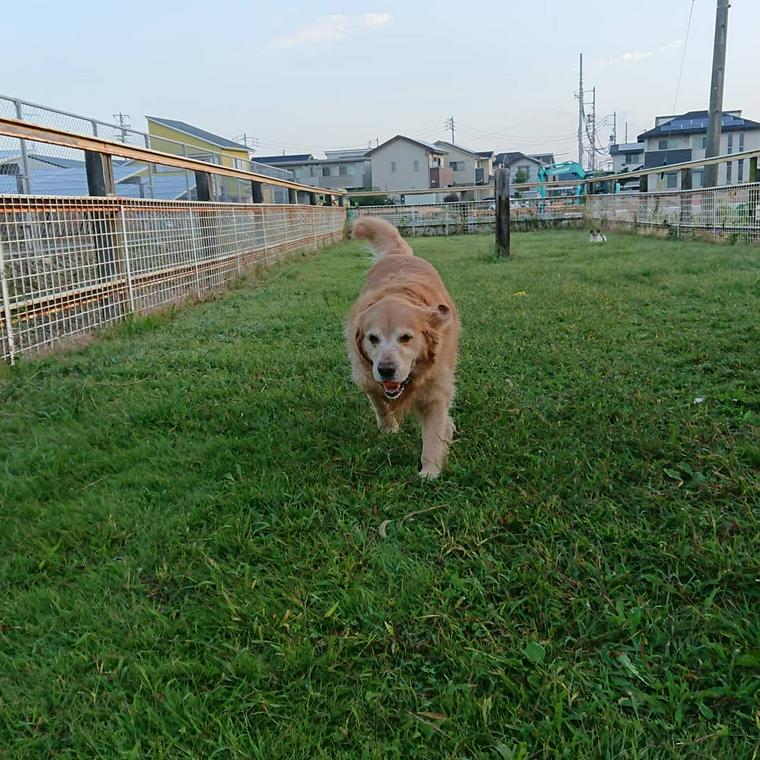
x=522 y=168
x=403 y=163
x=340 y=170
x=675 y=139
x=627 y=156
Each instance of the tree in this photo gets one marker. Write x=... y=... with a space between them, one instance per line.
x=521 y=176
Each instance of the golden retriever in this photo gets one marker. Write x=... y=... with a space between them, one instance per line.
x=402 y=336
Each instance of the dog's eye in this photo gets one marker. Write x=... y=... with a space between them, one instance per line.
x=404 y=338
x=374 y=340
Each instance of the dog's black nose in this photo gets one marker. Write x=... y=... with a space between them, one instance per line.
x=386 y=370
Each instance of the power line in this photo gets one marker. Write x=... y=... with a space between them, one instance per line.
x=683 y=56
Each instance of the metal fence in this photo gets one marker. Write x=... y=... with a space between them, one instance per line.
x=71 y=265
x=28 y=167
x=720 y=213
x=473 y=217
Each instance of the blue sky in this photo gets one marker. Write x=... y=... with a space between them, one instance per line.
x=308 y=76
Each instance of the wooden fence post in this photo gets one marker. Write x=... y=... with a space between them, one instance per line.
x=204 y=186
x=502 y=212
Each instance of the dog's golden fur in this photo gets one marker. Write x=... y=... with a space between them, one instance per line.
x=402 y=336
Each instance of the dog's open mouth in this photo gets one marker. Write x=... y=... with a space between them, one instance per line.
x=394 y=390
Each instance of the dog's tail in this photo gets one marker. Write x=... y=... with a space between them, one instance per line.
x=383 y=238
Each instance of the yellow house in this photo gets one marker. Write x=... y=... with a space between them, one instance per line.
x=166 y=133
x=173 y=136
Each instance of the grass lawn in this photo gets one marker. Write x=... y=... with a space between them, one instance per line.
x=207 y=550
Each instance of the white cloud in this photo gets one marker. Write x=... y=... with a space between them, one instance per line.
x=328 y=29
x=675 y=45
x=640 y=55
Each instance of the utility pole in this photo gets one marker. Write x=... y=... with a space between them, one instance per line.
x=124 y=123
x=592 y=135
x=580 y=113
x=712 y=148
x=626 y=131
x=248 y=141
x=614 y=127
x=450 y=125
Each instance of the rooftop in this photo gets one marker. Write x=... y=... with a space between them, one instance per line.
x=429 y=147
x=201 y=134
x=694 y=122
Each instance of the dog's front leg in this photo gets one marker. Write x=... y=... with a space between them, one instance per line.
x=386 y=420
x=437 y=432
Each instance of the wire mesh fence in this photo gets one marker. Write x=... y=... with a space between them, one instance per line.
x=722 y=213
x=474 y=217
x=71 y=265
x=719 y=213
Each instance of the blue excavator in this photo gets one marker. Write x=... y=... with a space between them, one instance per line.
x=566 y=167
x=573 y=168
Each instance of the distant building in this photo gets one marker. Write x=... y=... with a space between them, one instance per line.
x=522 y=168
x=675 y=139
x=484 y=172
x=348 y=169
x=181 y=138
x=627 y=156
x=403 y=163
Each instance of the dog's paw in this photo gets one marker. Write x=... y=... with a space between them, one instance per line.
x=430 y=472
x=389 y=427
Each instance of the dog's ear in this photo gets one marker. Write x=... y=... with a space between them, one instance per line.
x=359 y=341
x=439 y=316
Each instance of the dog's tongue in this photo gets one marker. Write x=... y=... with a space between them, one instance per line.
x=390 y=386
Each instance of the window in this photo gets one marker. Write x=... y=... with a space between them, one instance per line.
x=342 y=170
x=416 y=166
x=325 y=171
x=525 y=171
x=662 y=145
x=696 y=179
x=740 y=170
x=704 y=143
x=457 y=166
x=240 y=163
x=741 y=141
x=672 y=180
x=730 y=144
x=728 y=173
x=633 y=158
x=393 y=166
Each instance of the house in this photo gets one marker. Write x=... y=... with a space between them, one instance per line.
x=522 y=168
x=484 y=171
x=627 y=156
x=166 y=133
x=403 y=163
x=347 y=169
x=462 y=162
x=544 y=158
x=179 y=137
x=675 y=139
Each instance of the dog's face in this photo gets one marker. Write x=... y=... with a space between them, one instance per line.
x=395 y=337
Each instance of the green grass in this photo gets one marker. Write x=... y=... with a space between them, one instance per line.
x=196 y=558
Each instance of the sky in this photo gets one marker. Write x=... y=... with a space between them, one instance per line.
x=309 y=76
